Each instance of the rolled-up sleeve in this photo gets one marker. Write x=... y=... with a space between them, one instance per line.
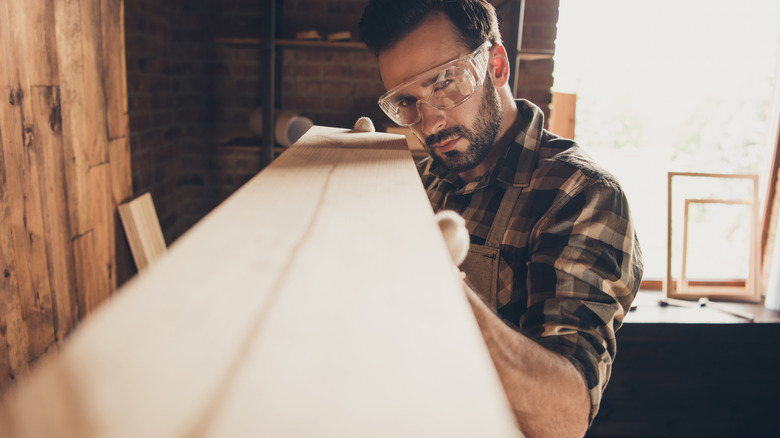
x=583 y=272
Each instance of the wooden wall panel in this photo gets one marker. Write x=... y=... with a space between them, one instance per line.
x=64 y=167
x=27 y=310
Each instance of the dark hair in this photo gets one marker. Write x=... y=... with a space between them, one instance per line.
x=386 y=22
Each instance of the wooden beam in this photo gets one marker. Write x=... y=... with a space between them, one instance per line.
x=318 y=300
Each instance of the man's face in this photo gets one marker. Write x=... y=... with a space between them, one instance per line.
x=459 y=138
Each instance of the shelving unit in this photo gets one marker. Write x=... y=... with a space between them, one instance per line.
x=299 y=44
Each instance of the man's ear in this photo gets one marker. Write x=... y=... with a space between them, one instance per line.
x=499 y=65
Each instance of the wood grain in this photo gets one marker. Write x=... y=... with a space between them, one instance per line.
x=46 y=107
x=318 y=300
x=28 y=305
x=60 y=176
x=114 y=78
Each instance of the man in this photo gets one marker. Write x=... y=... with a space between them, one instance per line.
x=554 y=262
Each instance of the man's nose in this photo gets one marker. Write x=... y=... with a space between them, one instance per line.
x=432 y=120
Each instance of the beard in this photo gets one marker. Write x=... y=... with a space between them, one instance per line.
x=481 y=136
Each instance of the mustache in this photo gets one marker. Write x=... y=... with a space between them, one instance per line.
x=455 y=131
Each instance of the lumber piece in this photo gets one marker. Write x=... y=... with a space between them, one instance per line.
x=143 y=231
x=318 y=300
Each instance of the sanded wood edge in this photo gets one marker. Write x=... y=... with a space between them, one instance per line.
x=143 y=231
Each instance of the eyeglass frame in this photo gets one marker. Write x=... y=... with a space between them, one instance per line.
x=477 y=74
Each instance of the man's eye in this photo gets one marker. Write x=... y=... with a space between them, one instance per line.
x=442 y=85
x=406 y=102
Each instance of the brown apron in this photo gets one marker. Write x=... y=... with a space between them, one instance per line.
x=482 y=262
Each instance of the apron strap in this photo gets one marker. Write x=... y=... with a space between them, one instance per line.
x=501 y=221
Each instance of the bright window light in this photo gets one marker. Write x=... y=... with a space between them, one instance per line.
x=672 y=85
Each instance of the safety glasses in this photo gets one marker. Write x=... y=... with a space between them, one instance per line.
x=443 y=87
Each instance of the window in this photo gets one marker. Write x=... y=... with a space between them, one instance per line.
x=671 y=85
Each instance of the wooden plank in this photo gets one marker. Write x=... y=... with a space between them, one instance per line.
x=102 y=210
x=56 y=184
x=47 y=120
x=318 y=300
x=142 y=227
x=415 y=145
x=37 y=44
x=13 y=336
x=115 y=72
x=14 y=343
x=92 y=86
x=344 y=45
x=118 y=128
x=78 y=146
x=78 y=121
x=91 y=215
x=103 y=234
x=563 y=111
x=38 y=53
x=31 y=310
x=385 y=344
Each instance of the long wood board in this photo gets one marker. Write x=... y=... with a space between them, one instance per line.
x=318 y=300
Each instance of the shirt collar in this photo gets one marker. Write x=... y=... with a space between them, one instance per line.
x=517 y=163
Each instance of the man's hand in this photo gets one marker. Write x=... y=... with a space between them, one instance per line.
x=453 y=228
x=548 y=395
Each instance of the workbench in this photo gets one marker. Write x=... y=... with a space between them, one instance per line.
x=693 y=372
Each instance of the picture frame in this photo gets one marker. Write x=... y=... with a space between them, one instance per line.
x=733 y=290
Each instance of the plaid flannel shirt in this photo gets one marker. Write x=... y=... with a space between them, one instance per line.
x=570 y=262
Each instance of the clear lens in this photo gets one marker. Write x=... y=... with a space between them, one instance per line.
x=443 y=87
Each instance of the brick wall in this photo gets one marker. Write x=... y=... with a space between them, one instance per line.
x=156 y=134
x=189 y=94
x=186 y=94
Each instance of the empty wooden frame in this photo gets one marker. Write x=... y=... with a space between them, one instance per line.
x=684 y=287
